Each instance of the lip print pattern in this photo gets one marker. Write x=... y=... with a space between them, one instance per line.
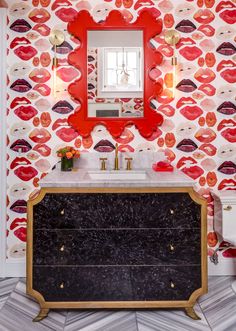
x=201 y=122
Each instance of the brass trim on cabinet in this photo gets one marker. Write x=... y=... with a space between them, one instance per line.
x=117 y=304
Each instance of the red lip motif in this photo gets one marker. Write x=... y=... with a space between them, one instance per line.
x=67 y=74
x=165 y=97
x=229 y=64
x=21 y=86
x=185 y=41
x=21 y=146
x=19 y=206
x=25 y=173
x=165 y=50
x=204 y=16
x=208 y=89
x=60 y=3
x=230 y=123
x=186 y=145
x=66 y=14
x=205 y=135
x=40 y=135
x=67 y=134
x=229 y=75
x=209 y=149
x=39 y=15
x=19 y=161
x=167 y=110
x=190 y=53
x=19 y=41
x=25 y=113
x=20 y=26
x=227 y=184
x=205 y=75
x=226 y=48
x=42 y=29
x=141 y=3
x=59 y=122
x=185 y=26
x=42 y=149
x=229 y=16
x=223 y=5
x=126 y=137
x=229 y=135
x=191 y=112
x=20 y=225
x=125 y=148
x=25 y=53
x=42 y=89
x=189 y=167
x=19 y=101
x=185 y=101
x=208 y=30
x=227 y=168
x=40 y=75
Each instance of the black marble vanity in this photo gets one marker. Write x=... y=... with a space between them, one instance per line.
x=116 y=248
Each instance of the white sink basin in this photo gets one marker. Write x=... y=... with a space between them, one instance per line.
x=117 y=174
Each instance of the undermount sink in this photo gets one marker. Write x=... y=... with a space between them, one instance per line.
x=117 y=174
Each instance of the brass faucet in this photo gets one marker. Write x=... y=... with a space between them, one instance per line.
x=116 y=166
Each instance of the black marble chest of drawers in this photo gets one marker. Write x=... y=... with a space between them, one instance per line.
x=116 y=248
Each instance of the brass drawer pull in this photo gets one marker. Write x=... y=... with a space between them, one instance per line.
x=61 y=285
x=172 y=247
x=62 y=248
x=172 y=285
x=62 y=212
x=172 y=211
x=228 y=208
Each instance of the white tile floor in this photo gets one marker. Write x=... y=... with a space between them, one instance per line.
x=217 y=310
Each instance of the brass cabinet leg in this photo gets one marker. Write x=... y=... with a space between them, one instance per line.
x=191 y=313
x=42 y=314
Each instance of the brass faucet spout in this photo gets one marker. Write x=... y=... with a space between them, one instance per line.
x=116 y=166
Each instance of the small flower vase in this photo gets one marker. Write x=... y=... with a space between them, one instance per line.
x=66 y=164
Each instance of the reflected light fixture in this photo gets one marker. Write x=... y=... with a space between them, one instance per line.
x=56 y=38
x=172 y=37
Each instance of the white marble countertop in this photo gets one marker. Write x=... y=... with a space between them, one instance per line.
x=81 y=178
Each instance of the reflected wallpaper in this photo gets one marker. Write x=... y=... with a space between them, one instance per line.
x=199 y=130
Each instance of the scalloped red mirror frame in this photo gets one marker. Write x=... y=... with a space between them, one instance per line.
x=150 y=26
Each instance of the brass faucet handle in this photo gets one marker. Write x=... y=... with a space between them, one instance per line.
x=103 y=163
x=128 y=159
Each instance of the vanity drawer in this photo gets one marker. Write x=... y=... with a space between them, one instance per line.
x=116 y=210
x=116 y=283
x=117 y=247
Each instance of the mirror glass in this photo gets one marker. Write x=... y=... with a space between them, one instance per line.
x=115 y=73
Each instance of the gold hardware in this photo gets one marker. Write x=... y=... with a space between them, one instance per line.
x=62 y=248
x=56 y=37
x=62 y=212
x=227 y=208
x=62 y=285
x=129 y=159
x=103 y=163
x=172 y=248
x=172 y=285
x=172 y=211
x=116 y=167
x=172 y=37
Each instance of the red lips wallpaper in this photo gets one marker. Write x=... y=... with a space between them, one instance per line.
x=199 y=130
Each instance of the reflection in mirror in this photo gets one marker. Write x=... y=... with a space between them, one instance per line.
x=115 y=73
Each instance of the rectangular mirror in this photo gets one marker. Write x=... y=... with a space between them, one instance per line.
x=115 y=73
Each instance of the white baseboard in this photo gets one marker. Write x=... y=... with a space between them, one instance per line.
x=225 y=267
x=13 y=270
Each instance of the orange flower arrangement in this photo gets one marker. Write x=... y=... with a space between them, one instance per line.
x=68 y=152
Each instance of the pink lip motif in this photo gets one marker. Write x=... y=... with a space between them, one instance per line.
x=42 y=29
x=190 y=53
x=204 y=16
x=25 y=53
x=67 y=74
x=205 y=75
x=67 y=134
x=208 y=30
x=40 y=75
x=66 y=14
x=205 y=135
x=39 y=15
x=43 y=89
